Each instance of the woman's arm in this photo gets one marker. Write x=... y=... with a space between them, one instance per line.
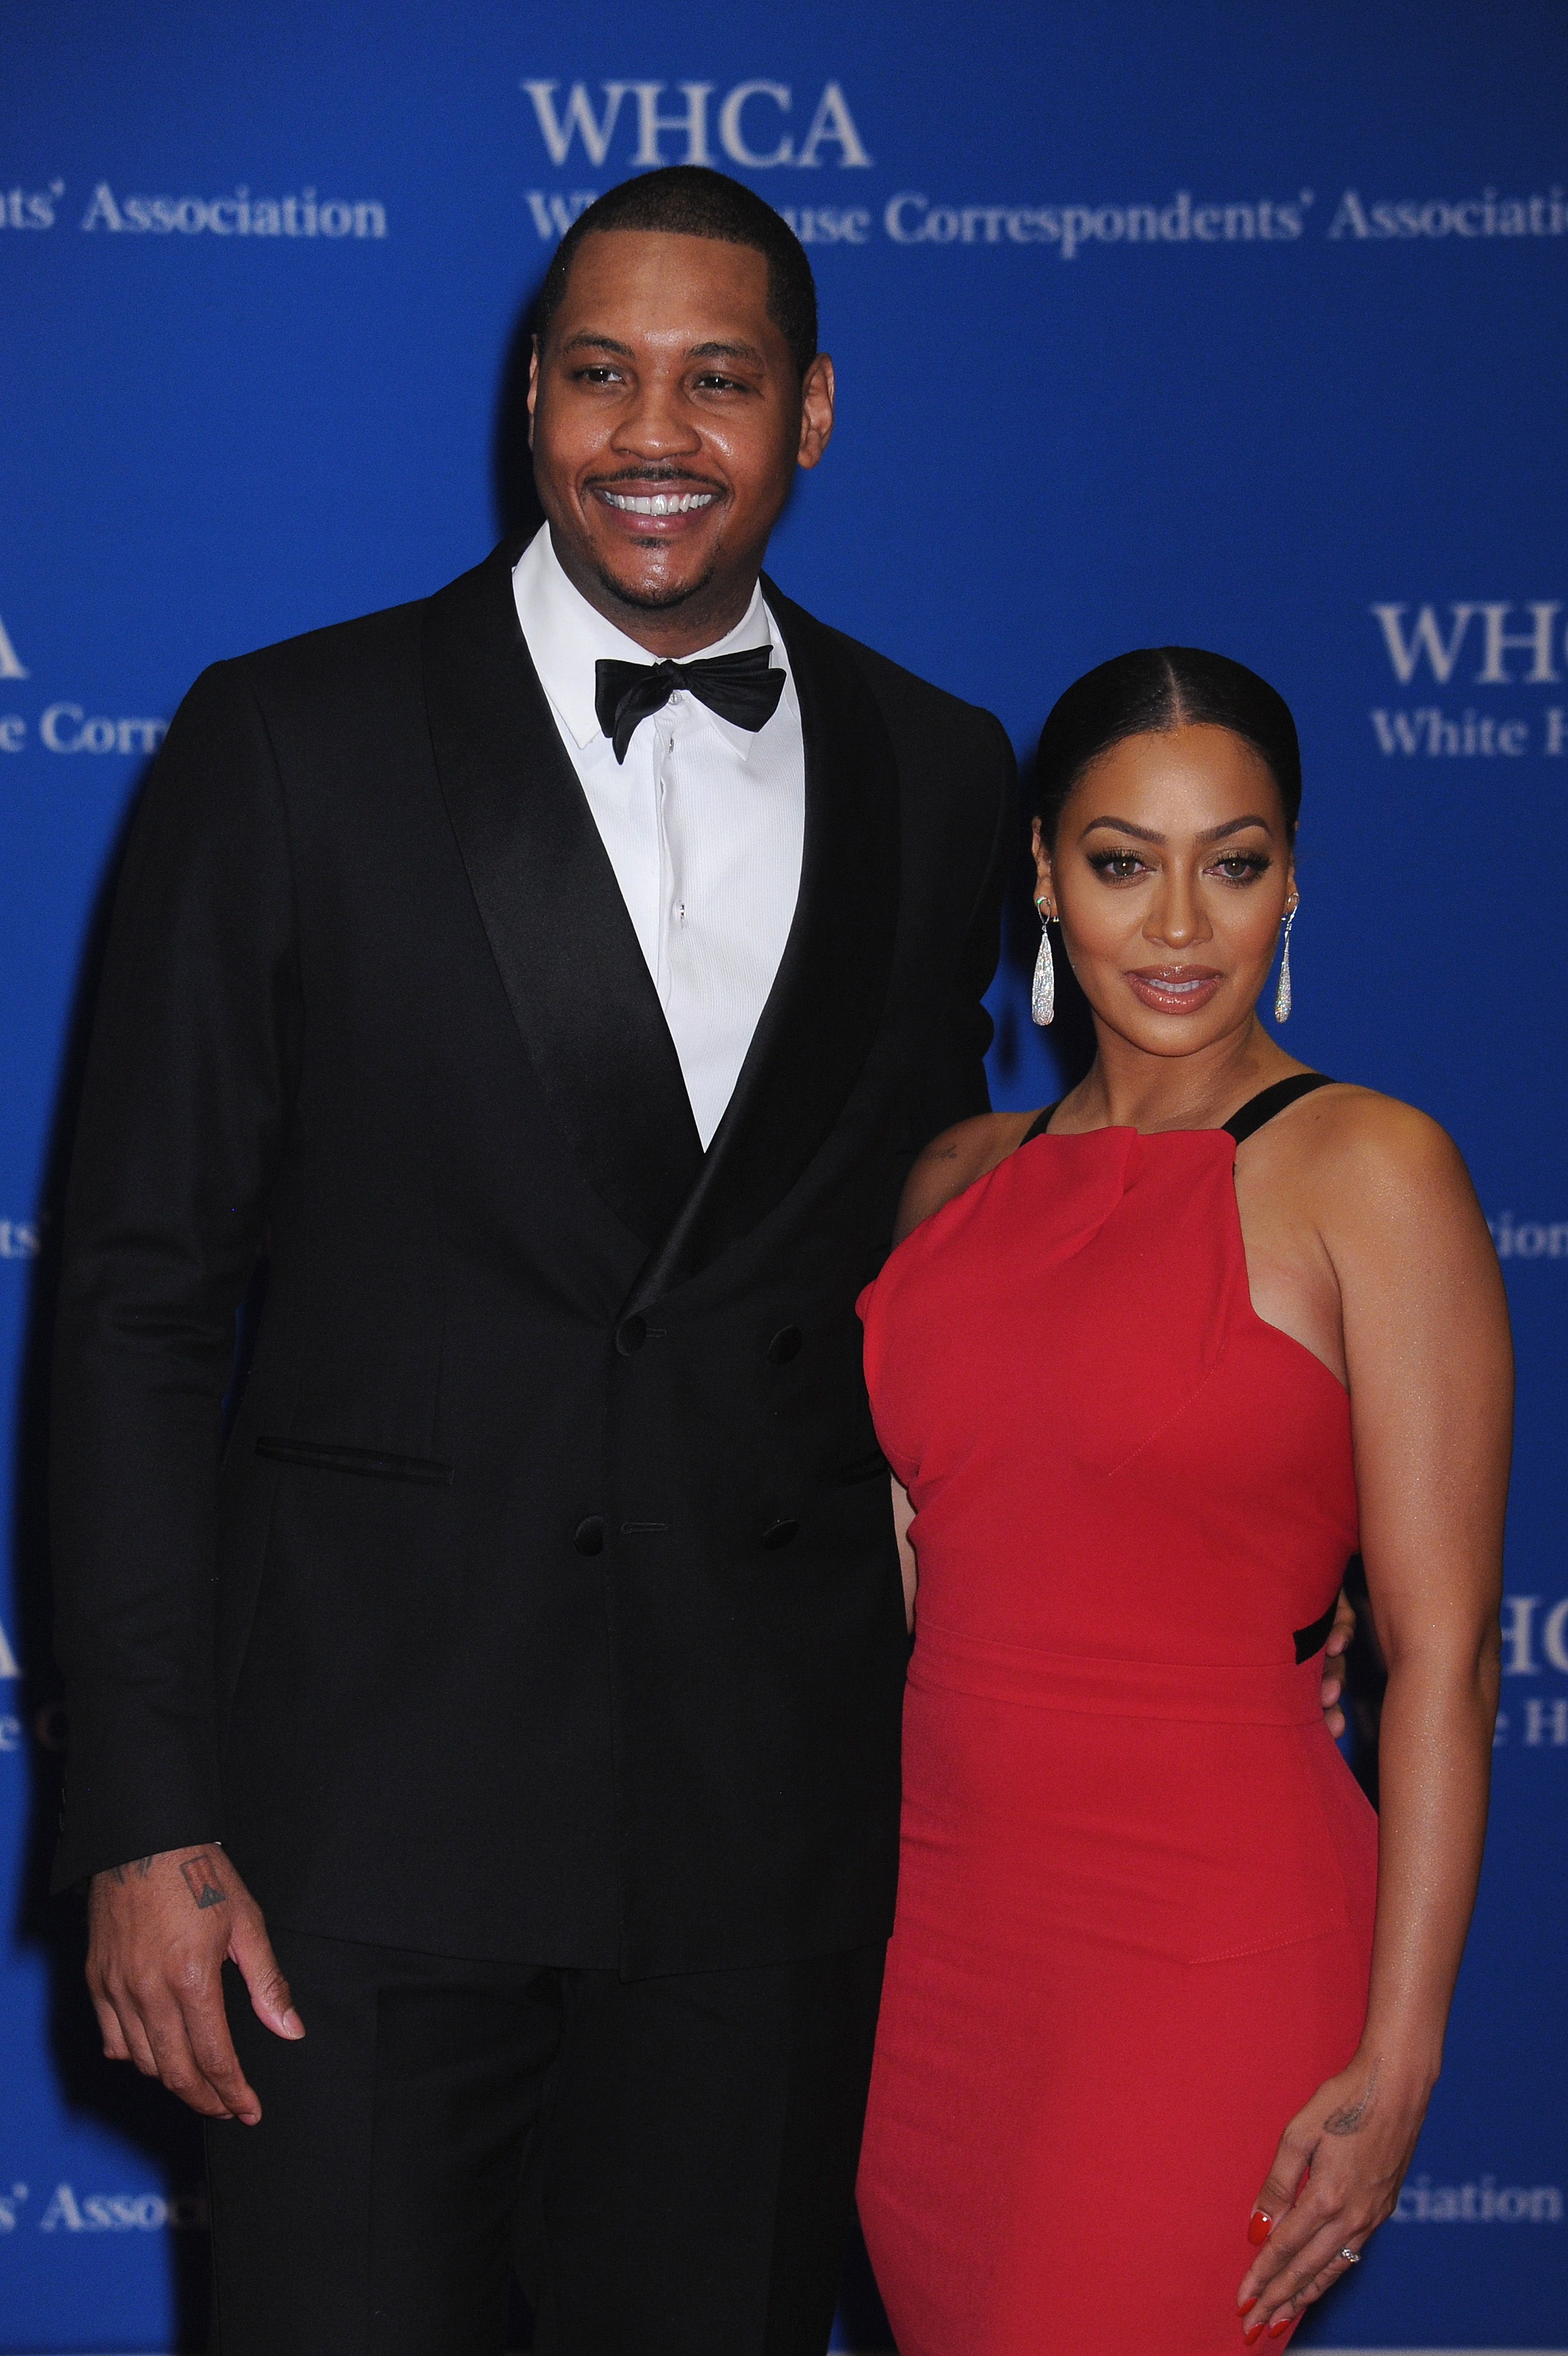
x=954 y=1161
x=1430 y=1380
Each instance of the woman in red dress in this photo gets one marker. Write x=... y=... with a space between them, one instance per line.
x=1160 y=2023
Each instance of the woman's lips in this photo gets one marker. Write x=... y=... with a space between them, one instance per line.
x=1175 y=989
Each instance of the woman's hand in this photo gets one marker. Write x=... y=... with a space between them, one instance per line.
x=1335 y=2178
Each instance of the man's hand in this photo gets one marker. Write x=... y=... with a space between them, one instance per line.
x=1334 y=1652
x=159 y=1930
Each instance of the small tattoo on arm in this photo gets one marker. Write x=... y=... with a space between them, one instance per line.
x=141 y=1866
x=1351 y=2120
x=198 y=1872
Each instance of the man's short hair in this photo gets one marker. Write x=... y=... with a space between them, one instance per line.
x=690 y=201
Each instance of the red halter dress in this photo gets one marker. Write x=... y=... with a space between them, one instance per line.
x=1136 y=1886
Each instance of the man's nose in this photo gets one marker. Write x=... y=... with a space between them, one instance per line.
x=656 y=424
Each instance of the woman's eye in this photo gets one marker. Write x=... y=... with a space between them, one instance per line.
x=1242 y=866
x=1121 y=866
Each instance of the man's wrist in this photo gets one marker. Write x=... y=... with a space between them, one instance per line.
x=137 y=1868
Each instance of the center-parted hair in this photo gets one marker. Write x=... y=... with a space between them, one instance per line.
x=1150 y=691
x=690 y=201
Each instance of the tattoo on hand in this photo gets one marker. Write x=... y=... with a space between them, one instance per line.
x=1351 y=2120
x=198 y=1880
x=141 y=1866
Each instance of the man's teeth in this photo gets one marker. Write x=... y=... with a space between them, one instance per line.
x=661 y=503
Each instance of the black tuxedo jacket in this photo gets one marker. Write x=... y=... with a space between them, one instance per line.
x=544 y=1603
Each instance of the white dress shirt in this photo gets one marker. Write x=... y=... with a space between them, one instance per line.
x=704 y=822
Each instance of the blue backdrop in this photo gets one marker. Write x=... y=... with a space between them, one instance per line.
x=1153 y=321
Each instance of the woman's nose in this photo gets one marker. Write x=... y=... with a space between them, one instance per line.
x=1177 y=916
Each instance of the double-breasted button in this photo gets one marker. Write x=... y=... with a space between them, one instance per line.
x=779 y=1533
x=785 y=1344
x=630 y=1334
x=588 y=1537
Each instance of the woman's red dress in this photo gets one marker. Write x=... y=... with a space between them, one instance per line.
x=1136 y=1899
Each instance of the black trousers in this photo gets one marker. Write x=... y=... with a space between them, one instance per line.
x=669 y=2164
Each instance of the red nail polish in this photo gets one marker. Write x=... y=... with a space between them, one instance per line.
x=1253 y=2336
x=1248 y=2304
x=1277 y=2330
x=1259 y=2225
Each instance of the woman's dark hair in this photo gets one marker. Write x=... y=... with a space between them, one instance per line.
x=1149 y=692
x=690 y=201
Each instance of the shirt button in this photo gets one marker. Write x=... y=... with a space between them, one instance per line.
x=588 y=1537
x=779 y=1533
x=630 y=1334
x=785 y=1344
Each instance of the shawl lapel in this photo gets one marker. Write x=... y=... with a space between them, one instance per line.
x=822 y=1015
x=576 y=979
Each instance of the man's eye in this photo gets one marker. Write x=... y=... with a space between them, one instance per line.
x=720 y=384
x=598 y=376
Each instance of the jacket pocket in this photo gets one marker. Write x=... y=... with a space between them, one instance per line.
x=374 y=1461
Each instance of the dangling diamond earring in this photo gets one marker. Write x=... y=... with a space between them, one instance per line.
x=1282 y=995
x=1042 y=997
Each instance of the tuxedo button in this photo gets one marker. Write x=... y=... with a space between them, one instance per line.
x=588 y=1537
x=630 y=1334
x=779 y=1533
x=785 y=1344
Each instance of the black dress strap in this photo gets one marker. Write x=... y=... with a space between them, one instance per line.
x=1241 y=1125
x=1270 y=1100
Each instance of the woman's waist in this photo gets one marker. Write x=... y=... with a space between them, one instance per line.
x=1260 y=1692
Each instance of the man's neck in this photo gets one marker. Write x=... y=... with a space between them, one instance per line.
x=669 y=632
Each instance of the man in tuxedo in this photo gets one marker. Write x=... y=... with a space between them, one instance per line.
x=554 y=979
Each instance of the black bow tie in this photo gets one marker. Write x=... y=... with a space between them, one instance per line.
x=737 y=687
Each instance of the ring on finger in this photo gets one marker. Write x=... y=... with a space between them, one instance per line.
x=1351 y=2257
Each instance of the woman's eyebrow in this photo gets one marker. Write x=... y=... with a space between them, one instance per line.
x=1147 y=833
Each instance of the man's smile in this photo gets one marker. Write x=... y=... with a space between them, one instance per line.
x=660 y=503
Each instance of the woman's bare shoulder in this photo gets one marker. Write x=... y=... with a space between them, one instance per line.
x=955 y=1160
x=1344 y=1121
x=1375 y=1163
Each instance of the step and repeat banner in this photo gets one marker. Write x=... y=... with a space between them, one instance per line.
x=1154 y=321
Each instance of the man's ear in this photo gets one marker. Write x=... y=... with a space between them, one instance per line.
x=815 y=411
